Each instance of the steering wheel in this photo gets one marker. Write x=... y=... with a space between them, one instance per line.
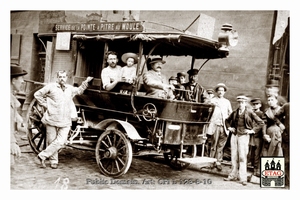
x=149 y=112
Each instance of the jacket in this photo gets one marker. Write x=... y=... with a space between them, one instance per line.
x=250 y=117
x=198 y=94
x=59 y=103
x=154 y=84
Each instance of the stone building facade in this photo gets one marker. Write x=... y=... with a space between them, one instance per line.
x=247 y=69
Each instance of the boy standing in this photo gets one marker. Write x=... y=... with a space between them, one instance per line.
x=240 y=123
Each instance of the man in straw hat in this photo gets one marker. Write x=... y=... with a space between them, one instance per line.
x=155 y=83
x=16 y=81
x=219 y=136
x=240 y=124
x=57 y=98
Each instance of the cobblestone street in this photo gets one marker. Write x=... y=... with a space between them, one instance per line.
x=78 y=171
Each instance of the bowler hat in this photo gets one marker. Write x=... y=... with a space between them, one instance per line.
x=273 y=83
x=192 y=72
x=241 y=98
x=255 y=100
x=125 y=56
x=16 y=71
x=221 y=85
x=155 y=60
x=181 y=74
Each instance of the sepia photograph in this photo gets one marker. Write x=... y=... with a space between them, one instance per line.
x=144 y=99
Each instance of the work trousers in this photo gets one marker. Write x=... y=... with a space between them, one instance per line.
x=239 y=151
x=255 y=153
x=218 y=141
x=56 y=138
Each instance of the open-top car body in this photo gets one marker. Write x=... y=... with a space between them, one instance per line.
x=118 y=126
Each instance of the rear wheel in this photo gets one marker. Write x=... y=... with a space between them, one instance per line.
x=36 y=131
x=113 y=153
x=189 y=151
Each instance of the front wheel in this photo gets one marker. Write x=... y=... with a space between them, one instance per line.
x=113 y=153
x=36 y=130
x=189 y=151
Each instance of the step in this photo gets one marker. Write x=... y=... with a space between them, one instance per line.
x=199 y=161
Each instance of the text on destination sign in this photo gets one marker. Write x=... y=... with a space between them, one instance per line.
x=98 y=27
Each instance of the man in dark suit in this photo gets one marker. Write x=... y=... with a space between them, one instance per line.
x=196 y=92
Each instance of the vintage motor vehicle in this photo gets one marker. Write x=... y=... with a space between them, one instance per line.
x=118 y=126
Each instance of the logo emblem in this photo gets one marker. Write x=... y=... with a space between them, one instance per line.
x=272 y=172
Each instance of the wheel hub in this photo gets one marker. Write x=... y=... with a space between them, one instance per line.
x=111 y=152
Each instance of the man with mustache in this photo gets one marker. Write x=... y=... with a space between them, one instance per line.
x=57 y=99
x=196 y=92
x=111 y=75
x=155 y=83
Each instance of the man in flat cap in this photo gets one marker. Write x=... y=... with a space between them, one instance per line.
x=240 y=124
x=195 y=92
x=219 y=137
x=255 y=143
x=16 y=81
x=155 y=83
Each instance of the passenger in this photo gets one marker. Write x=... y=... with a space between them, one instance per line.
x=240 y=124
x=180 y=86
x=16 y=80
x=273 y=129
x=255 y=143
x=111 y=75
x=181 y=78
x=128 y=72
x=210 y=94
x=173 y=81
x=155 y=83
x=57 y=98
x=196 y=92
x=219 y=137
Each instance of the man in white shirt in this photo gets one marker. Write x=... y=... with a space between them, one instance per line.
x=111 y=75
x=222 y=111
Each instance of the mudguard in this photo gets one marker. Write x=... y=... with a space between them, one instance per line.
x=128 y=129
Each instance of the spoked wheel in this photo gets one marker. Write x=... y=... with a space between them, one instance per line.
x=113 y=153
x=36 y=131
x=189 y=151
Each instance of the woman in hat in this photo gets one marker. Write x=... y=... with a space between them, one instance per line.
x=16 y=81
x=273 y=130
x=128 y=72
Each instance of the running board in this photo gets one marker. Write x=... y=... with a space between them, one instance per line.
x=199 y=161
x=149 y=152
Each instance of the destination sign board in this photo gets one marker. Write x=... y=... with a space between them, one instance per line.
x=134 y=26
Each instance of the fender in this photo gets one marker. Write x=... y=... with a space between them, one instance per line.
x=129 y=130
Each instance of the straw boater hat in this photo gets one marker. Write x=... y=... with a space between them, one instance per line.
x=172 y=78
x=16 y=70
x=155 y=60
x=242 y=98
x=125 y=56
x=210 y=91
x=221 y=85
